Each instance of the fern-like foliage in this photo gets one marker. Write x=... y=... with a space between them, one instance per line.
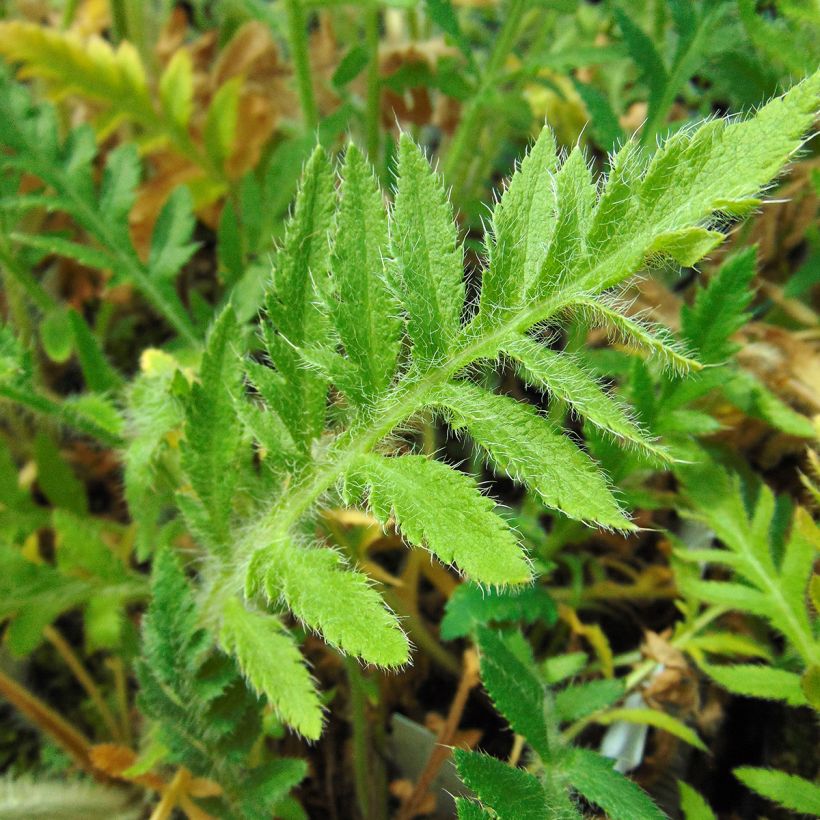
x=771 y=574
x=205 y=717
x=368 y=308
x=115 y=80
x=770 y=579
x=557 y=771
x=29 y=134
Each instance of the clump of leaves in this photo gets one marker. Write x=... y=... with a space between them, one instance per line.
x=367 y=307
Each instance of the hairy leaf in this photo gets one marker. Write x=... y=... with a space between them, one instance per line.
x=441 y=509
x=273 y=665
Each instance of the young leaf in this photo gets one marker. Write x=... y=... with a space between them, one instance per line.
x=593 y=776
x=364 y=312
x=758 y=681
x=221 y=121
x=512 y=794
x=428 y=261
x=523 y=222
x=579 y=700
x=431 y=501
x=335 y=600
x=524 y=445
x=515 y=690
x=212 y=430
x=720 y=309
x=273 y=665
x=470 y=606
x=656 y=718
x=176 y=89
x=787 y=790
x=171 y=245
x=566 y=379
x=692 y=804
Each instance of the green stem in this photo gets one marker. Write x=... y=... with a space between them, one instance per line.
x=358 y=719
x=119 y=20
x=472 y=123
x=373 y=87
x=298 y=41
x=679 y=74
x=69 y=11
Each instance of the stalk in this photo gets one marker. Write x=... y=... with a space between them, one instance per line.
x=84 y=678
x=373 y=90
x=299 y=52
x=358 y=719
x=472 y=123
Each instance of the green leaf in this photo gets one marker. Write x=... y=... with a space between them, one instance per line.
x=746 y=392
x=294 y=320
x=56 y=479
x=515 y=691
x=606 y=129
x=59 y=246
x=431 y=501
x=561 y=667
x=364 y=312
x=273 y=665
x=686 y=246
x=720 y=309
x=565 y=378
x=212 y=430
x=428 y=261
x=512 y=794
x=351 y=65
x=652 y=339
x=593 y=776
x=657 y=719
x=642 y=50
x=787 y=790
x=56 y=335
x=171 y=245
x=691 y=177
x=580 y=700
x=176 y=89
x=118 y=191
x=758 y=681
x=470 y=810
x=330 y=597
x=523 y=222
x=221 y=121
x=99 y=375
x=470 y=606
x=692 y=804
x=442 y=13
x=523 y=445
x=777 y=593
x=575 y=198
